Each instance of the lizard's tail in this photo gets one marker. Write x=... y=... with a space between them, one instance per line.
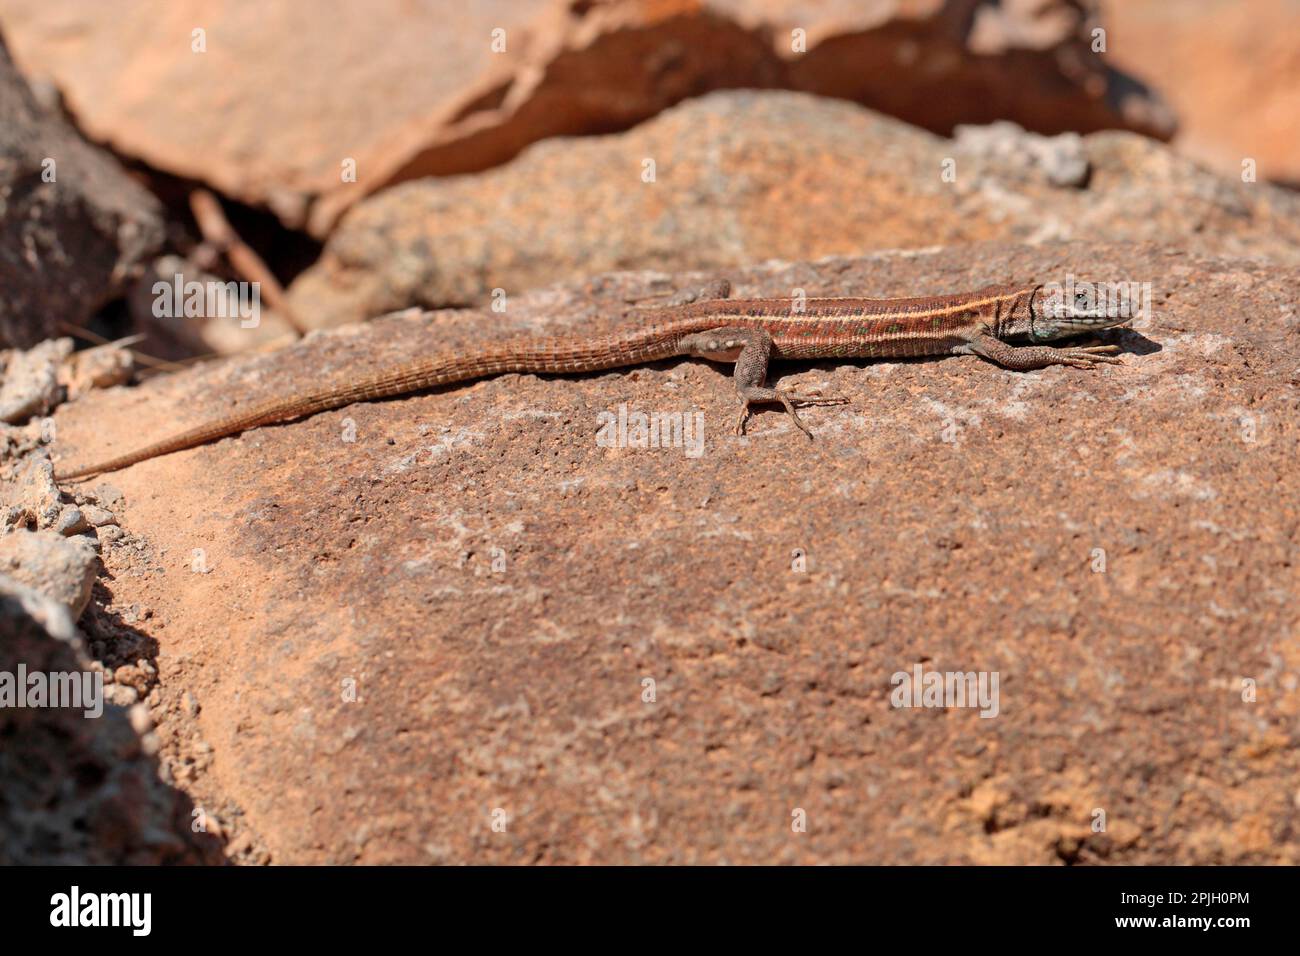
x=554 y=356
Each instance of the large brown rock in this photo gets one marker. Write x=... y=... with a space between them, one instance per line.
x=394 y=625
x=403 y=90
x=744 y=176
x=73 y=225
x=1230 y=71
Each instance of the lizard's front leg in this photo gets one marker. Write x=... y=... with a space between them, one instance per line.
x=750 y=349
x=1025 y=357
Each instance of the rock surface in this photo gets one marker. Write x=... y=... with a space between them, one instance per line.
x=238 y=90
x=73 y=225
x=452 y=627
x=741 y=177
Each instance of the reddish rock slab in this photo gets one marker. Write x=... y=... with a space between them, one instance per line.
x=454 y=628
x=739 y=177
x=278 y=103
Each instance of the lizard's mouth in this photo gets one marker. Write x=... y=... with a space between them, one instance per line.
x=1048 y=328
x=1059 y=321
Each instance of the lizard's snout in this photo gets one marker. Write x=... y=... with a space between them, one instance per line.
x=1088 y=308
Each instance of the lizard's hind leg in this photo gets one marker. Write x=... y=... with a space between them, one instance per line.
x=751 y=349
x=709 y=291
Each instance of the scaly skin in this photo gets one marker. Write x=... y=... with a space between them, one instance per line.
x=748 y=332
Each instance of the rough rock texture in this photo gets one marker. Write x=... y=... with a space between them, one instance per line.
x=30 y=497
x=58 y=567
x=387 y=628
x=440 y=100
x=100 y=367
x=73 y=225
x=78 y=789
x=1229 y=69
x=741 y=177
x=29 y=382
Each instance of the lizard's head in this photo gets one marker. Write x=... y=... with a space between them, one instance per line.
x=1058 y=312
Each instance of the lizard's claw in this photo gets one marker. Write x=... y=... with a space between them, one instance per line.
x=817 y=399
x=743 y=417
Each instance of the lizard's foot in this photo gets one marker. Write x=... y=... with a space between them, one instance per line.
x=1025 y=357
x=776 y=396
x=742 y=418
x=1087 y=356
x=815 y=399
x=789 y=400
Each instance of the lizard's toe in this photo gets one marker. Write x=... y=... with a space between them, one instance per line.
x=817 y=399
x=1087 y=358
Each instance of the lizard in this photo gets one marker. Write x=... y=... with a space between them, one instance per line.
x=988 y=322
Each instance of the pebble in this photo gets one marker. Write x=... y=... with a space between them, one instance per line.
x=121 y=695
x=98 y=517
x=111 y=534
x=71 y=521
x=141 y=721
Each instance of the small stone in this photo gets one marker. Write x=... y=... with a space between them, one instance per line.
x=141 y=721
x=111 y=534
x=71 y=521
x=108 y=496
x=98 y=517
x=101 y=367
x=120 y=695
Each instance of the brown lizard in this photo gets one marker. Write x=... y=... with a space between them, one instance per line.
x=748 y=332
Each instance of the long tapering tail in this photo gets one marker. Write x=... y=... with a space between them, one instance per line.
x=555 y=356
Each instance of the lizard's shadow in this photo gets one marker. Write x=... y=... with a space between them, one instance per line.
x=1129 y=341
x=1132 y=342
